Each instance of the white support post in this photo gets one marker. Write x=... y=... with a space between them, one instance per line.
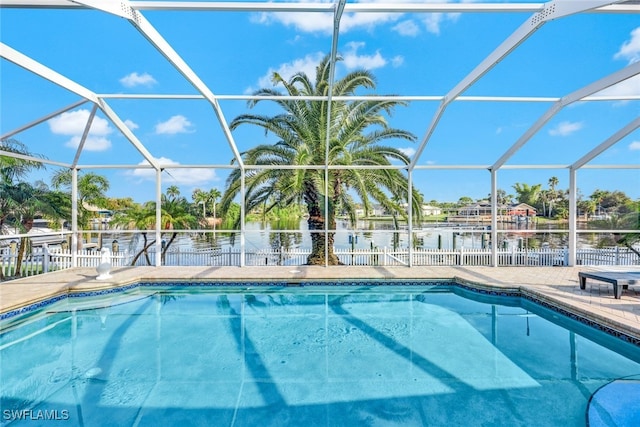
x=243 y=215
x=45 y=258
x=573 y=218
x=410 y=215
x=74 y=217
x=494 y=218
x=158 y=217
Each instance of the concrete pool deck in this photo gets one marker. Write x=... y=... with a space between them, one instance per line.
x=558 y=286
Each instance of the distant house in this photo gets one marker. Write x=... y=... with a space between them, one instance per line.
x=522 y=209
x=374 y=211
x=477 y=209
x=482 y=212
x=428 y=210
x=484 y=209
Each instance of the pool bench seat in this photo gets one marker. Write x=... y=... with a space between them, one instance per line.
x=619 y=279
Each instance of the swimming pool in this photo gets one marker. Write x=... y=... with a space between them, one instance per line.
x=244 y=355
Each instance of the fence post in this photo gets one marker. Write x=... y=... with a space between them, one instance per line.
x=45 y=258
x=461 y=256
x=617 y=257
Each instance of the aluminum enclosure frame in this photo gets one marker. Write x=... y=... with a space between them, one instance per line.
x=132 y=11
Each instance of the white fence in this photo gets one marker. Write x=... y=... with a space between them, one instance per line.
x=44 y=259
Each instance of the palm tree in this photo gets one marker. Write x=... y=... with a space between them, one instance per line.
x=28 y=203
x=19 y=200
x=137 y=217
x=12 y=170
x=200 y=197
x=207 y=198
x=213 y=195
x=529 y=194
x=354 y=134
x=630 y=221
x=552 y=193
x=175 y=213
x=92 y=190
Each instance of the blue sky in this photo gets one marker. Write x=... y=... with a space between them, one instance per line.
x=235 y=53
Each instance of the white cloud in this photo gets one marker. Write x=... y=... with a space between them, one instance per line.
x=176 y=124
x=323 y=22
x=352 y=60
x=182 y=176
x=302 y=21
x=433 y=21
x=630 y=49
x=306 y=65
x=73 y=123
x=565 y=128
x=135 y=79
x=131 y=124
x=397 y=61
x=407 y=28
x=634 y=146
x=408 y=151
x=92 y=143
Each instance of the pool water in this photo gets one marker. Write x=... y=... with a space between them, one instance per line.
x=304 y=356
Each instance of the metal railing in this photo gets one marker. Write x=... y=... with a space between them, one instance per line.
x=44 y=259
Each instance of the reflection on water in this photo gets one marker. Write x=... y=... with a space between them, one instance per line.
x=369 y=234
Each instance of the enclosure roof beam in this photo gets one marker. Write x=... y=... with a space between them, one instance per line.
x=41 y=119
x=41 y=70
x=425 y=98
x=551 y=10
x=610 y=80
x=442 y=7
x=85 y=134
x=123 y=9
x=33 y=159
x=630 y=127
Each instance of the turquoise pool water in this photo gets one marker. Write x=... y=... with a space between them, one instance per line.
x=303 y=356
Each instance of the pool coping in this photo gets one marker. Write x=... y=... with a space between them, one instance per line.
x=38 y=291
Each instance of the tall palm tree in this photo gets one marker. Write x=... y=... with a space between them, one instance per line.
x=354 y=135
x=19 y=200
x=207 y=198
x=29 y=202
x=12 y=170
x=213 y=195
x=175 y=214
x=552 y=193
x=92 y=190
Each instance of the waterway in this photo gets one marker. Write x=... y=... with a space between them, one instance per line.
x=369 y=234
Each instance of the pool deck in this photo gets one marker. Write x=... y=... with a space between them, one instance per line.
x=558 y=286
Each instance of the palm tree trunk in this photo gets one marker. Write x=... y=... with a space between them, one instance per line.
x=166 y=247
x=317 y=256
x=21 y=253
x=145 y=246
